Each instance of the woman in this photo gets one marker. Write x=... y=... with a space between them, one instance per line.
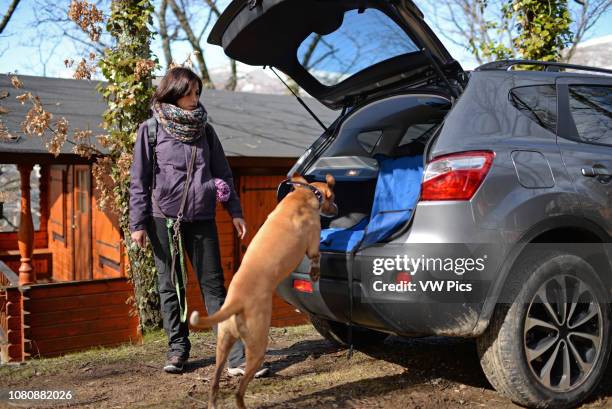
x=182 y=132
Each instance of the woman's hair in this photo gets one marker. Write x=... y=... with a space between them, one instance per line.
x=175 y=84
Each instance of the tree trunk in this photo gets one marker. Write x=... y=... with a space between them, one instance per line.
x=163 y=33
x=128 y=24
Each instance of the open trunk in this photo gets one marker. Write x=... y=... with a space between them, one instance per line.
x=376 y=156
x=341 y=52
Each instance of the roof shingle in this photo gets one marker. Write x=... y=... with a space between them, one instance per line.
x=252 y=125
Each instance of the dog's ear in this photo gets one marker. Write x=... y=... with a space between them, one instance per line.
x=330 y=185
x=298 y=178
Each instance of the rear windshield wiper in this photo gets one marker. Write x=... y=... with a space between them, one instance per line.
x=300 y=100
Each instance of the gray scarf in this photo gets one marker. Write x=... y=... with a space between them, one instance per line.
x=185 y=126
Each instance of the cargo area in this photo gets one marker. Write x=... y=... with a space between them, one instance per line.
x=376 y=158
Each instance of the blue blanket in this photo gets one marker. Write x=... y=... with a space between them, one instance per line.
x=397 y=191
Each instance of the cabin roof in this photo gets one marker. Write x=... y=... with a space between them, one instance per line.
x=248 y=124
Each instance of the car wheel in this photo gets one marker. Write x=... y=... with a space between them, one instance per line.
x=550 y=347
x=337 y=333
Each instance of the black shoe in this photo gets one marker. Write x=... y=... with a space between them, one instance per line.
x=174 y=364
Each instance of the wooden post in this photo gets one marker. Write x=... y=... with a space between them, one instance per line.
x=25 y=236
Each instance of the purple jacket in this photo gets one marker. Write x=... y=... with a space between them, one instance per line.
x=172 y=161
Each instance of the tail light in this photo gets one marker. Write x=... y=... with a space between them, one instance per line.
x=456 y=176
x=303 y=286
x=402 y=277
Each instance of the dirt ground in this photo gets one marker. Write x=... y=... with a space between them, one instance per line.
x=308 y=372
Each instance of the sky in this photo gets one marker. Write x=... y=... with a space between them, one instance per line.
x=23 y=56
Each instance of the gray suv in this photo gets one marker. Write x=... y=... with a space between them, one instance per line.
x=471 y=204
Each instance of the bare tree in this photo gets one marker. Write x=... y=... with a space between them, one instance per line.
x=194 y=40
x=584 y=17
x=53 y=25
x=482 y=28
x=179 y=26
x=233 y=80
x=472 y=24
x=166 y=38
x=9 y=13
x=45 y=55
x=175 y=21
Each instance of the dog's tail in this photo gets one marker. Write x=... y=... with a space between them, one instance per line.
x=226 y=311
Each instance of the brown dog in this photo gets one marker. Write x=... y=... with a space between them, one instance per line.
x=291 y=230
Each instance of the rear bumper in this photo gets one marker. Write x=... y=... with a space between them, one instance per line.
x=449 y=309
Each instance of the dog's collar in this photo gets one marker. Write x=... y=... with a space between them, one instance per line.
x=313 y=189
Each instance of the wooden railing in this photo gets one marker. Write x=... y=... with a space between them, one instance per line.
x=8 y=278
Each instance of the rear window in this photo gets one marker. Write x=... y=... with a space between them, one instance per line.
x=539 y=103
x=591 y=109
x=363 y=39
x=417 y=133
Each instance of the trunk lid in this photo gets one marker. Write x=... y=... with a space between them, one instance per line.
x=339 y=51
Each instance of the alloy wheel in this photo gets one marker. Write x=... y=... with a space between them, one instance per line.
x=563 y=333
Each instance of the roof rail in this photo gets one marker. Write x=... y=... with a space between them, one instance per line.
x=506 y=65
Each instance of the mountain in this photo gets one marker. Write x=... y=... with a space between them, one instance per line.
x=250 y=79
x=595 y=52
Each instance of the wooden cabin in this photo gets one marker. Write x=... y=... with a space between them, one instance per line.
x=63 y=285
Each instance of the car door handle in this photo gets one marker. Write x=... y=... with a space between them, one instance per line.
x=592 y=172
x=588 y=172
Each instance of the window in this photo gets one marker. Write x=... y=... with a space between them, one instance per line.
x=369 y=139
x=417 y=133
x=591 y=109
x=363 y=39
x=10 y=197
x=539 y=103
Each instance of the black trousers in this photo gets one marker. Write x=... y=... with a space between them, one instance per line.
x=201 y=242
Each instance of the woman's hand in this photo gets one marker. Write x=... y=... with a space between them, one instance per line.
x=240 y=226
x=140 y=237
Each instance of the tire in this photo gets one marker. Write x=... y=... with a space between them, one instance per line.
x=511 y=349
x=337 y=333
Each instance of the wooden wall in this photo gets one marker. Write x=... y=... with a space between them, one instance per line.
x=11 y=320
x=65 y=317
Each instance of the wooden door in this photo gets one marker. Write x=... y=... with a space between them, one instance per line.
x=59 y=223
x=81 y=225
x=258 y=199
x=106 y=240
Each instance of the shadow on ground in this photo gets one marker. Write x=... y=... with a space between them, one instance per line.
x=437 y=362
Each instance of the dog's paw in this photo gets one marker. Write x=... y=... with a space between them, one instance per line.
x=315 y=273
x=195 y=318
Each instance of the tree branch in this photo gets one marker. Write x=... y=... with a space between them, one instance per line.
x=184 y=22
x=9 y=14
